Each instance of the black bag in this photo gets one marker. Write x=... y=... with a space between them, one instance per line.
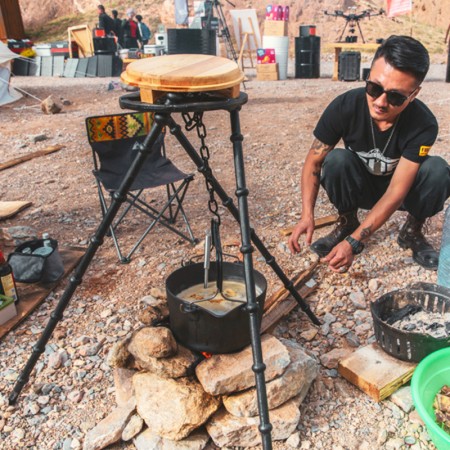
x=29 y=268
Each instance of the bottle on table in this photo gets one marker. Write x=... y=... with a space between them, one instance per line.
x=7 y=284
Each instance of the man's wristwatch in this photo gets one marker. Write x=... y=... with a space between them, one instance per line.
x=357 y=246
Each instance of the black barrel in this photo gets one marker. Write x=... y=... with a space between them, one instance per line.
x=307 y=57
x=191 y=41
x=307 y=30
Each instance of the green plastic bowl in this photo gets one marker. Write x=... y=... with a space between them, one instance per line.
x=430 y=375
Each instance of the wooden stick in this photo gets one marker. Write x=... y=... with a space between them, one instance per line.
x=21 y=159
x=319 y=223
x=282 y=308
x=283 y=293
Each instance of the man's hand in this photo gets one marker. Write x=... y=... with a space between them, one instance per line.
x=305 y=226
x=340 y=258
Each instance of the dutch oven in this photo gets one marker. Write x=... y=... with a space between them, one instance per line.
x=198 y=327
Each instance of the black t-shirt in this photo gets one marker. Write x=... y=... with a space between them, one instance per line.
x=106 y=22
x=347 y=117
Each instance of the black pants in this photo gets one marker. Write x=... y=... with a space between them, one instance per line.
x=350 y=186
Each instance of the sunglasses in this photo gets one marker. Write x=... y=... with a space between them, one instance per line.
x=394 y=98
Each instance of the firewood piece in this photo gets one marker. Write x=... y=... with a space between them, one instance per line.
x=21 y=159
x=283 y=293
x=283 y=307
x=319 y=223
x=11 y=208
x=375 y=372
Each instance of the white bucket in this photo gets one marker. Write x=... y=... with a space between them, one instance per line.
x=281 y=46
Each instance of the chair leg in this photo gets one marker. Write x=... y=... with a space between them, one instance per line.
x=156 y=219
x=111 y=231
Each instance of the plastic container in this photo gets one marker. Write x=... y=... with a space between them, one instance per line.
x=46 y=248
x=43 y=49
x=408 y=345
x=154 y=50
x=443 y=274
x=281 y=46
x=430 y=375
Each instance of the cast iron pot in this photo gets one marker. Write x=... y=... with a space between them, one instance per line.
x=199 y=329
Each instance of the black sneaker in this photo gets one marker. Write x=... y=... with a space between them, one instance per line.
x=346 y=225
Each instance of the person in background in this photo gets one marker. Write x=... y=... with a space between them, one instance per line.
x=105 y=21
x=117 y=26
x=130 y=30
x=144 y=31
x=385 y=165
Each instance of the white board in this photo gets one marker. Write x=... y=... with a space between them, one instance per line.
x=249 y=24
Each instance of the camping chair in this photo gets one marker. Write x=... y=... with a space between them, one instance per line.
x=115 y=139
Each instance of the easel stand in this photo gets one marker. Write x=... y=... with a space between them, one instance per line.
x=186 y=103
x=246 y=38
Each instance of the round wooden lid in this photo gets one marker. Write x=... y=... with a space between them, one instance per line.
x=183 y=73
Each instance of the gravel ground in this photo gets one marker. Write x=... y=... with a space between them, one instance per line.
x=71 y=388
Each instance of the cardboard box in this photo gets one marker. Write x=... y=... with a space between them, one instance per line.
x=7 y=309
x=267 y=68
x=267 y=76
x=265 y=56
x=275 y=28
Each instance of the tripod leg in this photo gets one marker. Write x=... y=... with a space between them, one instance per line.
x=360 y=32
x=259 y=367
x=342 y=34
x=96 y=241
x=227 y=201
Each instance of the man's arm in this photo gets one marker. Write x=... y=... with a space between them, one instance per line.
x=310 y=184
x=398 y=189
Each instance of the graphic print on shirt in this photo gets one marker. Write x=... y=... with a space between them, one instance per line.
x=377 y=163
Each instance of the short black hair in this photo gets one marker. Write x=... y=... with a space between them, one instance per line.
x=406 y=54
x=114 y=12
x=138 y=17
x=101 y=8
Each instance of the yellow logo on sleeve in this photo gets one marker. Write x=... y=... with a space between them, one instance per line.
x=424 y=149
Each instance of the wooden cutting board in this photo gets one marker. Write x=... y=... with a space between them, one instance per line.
x=183 y=73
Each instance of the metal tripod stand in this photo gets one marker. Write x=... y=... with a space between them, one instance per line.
x=224 y=31
x=185 y=103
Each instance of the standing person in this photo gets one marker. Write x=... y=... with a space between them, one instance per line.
x=144 y=31
x=117 y=28
x=130 y=30
x=387 y=133
x=105 y=21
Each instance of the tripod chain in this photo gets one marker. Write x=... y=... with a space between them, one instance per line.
x=196 y=121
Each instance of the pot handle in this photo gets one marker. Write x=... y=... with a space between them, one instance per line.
x=219 y=255
x=188 y=308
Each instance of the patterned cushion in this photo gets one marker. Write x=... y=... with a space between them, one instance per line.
x=118 y=126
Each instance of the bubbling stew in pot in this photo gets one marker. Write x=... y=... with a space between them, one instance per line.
x=232 y=289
